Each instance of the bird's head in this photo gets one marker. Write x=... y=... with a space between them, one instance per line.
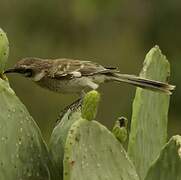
x=29 y=68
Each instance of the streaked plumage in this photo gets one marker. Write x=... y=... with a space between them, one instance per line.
x=75 y=76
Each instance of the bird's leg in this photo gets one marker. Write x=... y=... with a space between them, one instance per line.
x=82 y=94
x=73 y=106
x=77 y=103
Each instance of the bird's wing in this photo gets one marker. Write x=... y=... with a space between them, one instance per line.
x=68 y=68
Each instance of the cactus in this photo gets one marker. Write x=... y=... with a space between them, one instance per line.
x=80 y=147
x=92 y=151
x=58 y=139
x=168 y=165
x=90 y=103
x=120 y=129
x=150 y=113
x=4 y=50
x=23 y=153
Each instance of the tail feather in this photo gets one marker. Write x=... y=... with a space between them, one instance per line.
x=144 y=83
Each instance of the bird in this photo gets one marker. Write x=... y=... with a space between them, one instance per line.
x=78 y=76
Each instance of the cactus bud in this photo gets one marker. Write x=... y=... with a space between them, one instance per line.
x=120 y=129
x=89 y=106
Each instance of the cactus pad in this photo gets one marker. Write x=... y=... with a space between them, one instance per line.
x=23 y=154
x=4 y=50
x=58 y=139
x=150 y=115
x=168 y=165
x=93 y=153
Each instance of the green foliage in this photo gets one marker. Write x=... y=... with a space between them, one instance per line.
x=150 y=115
x=4 y=50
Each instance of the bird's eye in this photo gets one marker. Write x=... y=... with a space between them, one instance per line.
x=28 y=73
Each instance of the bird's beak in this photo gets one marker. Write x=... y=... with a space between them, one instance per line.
x=12 y=70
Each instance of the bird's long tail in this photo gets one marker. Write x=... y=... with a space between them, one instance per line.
x=144 y=83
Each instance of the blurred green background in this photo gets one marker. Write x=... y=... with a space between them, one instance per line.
x=117 y=33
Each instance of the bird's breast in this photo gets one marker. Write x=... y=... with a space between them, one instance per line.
x=74 y=85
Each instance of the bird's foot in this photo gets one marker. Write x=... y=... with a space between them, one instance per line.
x=73 y=106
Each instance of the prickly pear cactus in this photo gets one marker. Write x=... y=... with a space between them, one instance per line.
x=58 y=139
x=23 y=153
x=92 y=152
x=150 y=115
x=59 y=135
x=83 y=149
x=4 y=50
x=168 y=165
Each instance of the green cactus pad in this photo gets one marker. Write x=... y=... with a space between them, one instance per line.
x=150 y=112
x=93 y=153
x=4 y=50
x=23 y=153
x=89 y=106
x=168 y=165
x=58 y=139
x=59 y=135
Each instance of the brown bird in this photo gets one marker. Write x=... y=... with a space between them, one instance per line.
x=75 y=76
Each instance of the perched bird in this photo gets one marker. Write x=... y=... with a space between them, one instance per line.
x=75 y=76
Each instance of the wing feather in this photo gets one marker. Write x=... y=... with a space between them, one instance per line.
x=68 y=68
